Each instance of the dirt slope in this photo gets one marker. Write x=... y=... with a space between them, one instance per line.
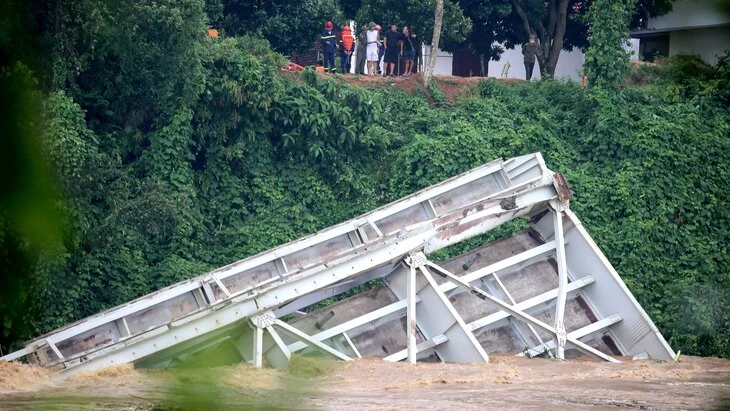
x=453 y=87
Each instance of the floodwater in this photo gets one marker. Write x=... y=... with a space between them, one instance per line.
x=506 y=382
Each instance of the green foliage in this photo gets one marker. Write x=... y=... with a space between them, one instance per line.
x=494 y=27
x=687 y=77
x=29 y=222
x=288 y=26
x=607 y=62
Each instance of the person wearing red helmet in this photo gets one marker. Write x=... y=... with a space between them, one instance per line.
x=329 y=45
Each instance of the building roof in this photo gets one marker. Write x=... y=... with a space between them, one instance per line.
x=664 y=30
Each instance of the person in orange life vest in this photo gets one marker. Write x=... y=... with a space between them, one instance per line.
x=347 y=47
x=329 y=45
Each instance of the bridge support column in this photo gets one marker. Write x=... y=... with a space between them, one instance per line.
x=560 y=333
x=434 y=318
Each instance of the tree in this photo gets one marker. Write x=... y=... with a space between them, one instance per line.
x=562 y=24
x=607 y=61
x=493 y=29
x=547 y=20
x=437 y=21
x=350 y=7
x=287 y=25
x=643 y=9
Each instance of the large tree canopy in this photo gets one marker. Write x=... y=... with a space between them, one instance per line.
x=494 y=27
x=563 y=24
x=287 y=25
x=418 y=16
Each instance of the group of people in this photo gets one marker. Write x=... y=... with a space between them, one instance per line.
x=373 y=46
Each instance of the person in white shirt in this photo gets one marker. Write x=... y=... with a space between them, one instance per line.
x=372 y=49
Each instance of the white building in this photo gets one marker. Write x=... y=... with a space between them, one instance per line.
x=511 y=63
x=694 y=27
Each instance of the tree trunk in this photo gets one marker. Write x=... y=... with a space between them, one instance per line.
x=483 y=68
x=438 y=19
x=558 y=35
x=550 y=32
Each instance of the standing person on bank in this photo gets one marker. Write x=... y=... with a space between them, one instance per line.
x=328 y=48
x=410 y=51
x=362 y=45
x=372 y=50
x=347 y=47
x=393 y=42
x=530 y=50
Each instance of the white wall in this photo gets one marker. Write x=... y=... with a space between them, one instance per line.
x=569 y=64
x=443 y=61
x=634 y=49
x=690 y=13
x=708 y=43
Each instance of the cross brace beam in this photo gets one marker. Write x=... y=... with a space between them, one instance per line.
x=517 y=313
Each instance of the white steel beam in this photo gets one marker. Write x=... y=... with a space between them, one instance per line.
x=560 y=334
x=116 y=313
x=55 y=349
x=279 y=342
x=449 y=286
x=17 y=354
x=306 y=338
x=517 y=313
x=258 y=346
x=530 y=303
x=502 y=265
x=354 y=323
x=352 y=345
x=460 y=325
x=411 y=327
x=513 y=302
x=426 y=345
x=220 y=285
x=579 y=333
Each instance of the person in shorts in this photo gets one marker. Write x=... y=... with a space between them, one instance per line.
x=393 y=42
x=410 y=51
x=372 y=49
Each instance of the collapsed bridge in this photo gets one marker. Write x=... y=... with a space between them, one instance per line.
x=548 y=289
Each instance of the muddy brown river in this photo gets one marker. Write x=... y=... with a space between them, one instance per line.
x=507 y=382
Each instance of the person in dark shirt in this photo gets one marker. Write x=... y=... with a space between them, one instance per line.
x=329 y=45
x=393 y=42
x=410 y=51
